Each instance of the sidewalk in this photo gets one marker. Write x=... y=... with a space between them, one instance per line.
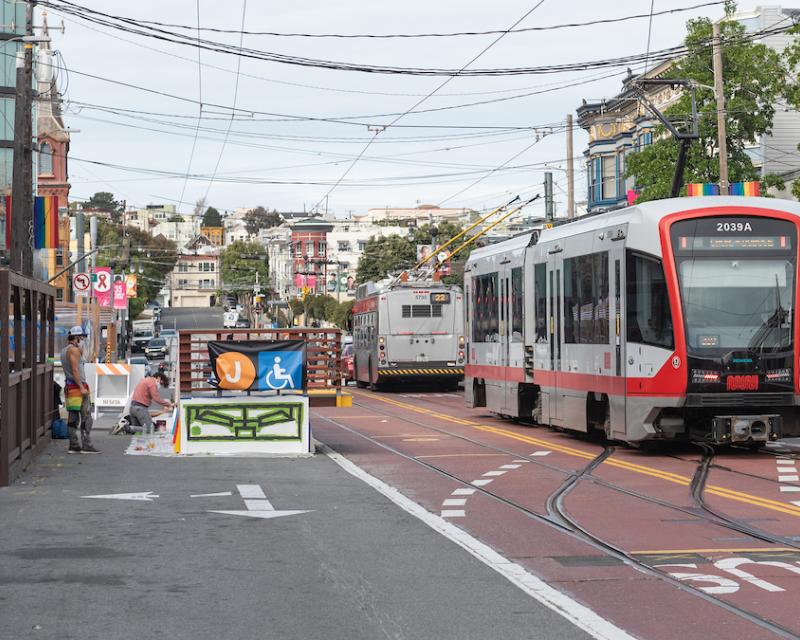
x=351 y=566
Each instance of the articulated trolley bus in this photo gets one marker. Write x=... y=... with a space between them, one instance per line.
x=670 y=320
x=408 y=331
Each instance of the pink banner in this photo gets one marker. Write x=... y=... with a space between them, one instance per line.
x=120 y=295
x=102 y=286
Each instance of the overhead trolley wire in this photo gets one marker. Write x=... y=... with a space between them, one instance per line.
x=421 y=100
x=378 y=36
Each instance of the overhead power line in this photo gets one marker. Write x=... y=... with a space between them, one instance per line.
x=568 y=25
x=131 y=26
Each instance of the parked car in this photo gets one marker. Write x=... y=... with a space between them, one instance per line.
x=242 y=323
x=156 y=348
x=348 y=372
x=168 y=333
x=140 y=360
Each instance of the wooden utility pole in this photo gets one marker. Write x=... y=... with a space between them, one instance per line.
x=720 y=95
x=570 y=170
x=22 y=167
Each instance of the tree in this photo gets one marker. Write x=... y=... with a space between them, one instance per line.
x=155 y=257
x=211 y=218
x=259 y=218
x=104 y=201
x=754 y=80
x=240 y=262
x=384 y=255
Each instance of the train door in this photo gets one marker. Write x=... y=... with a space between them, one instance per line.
x=616 y=401
x=505 y=332
x=554 y=306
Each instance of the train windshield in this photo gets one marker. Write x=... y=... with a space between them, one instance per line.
x=737 y=280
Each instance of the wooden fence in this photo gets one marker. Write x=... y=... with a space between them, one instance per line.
x=27 y=338
x=323 y=355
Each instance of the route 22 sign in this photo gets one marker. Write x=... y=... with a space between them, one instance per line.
x=258 y=365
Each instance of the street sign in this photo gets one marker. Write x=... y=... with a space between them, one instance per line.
x=442 y=256
x=81 y=283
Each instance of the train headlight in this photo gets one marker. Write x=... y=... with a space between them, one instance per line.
x=381 y=340
x=779 y=375
x=701 y=376
x=461 y=341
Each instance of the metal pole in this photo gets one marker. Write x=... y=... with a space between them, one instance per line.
x=720 y=95
x=22 y=172
x=549 y=205
x=79 y=236
x=570 y=171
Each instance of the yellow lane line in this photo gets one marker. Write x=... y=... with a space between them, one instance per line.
x=669 y=552
x=730 y=494
x=463 y=455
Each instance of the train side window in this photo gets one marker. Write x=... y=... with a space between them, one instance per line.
x=486 y=326
x=540 y=293
x=516 y=304
x=586 y=319
x=649 y=319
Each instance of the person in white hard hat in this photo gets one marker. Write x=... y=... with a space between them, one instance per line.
x=76 y=394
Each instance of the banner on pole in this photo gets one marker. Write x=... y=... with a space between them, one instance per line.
x=258 y=365
x=120 y=294
x=45 y=222
x=130 y=285
x=102 y=286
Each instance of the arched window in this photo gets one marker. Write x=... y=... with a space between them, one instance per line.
x=46 y=159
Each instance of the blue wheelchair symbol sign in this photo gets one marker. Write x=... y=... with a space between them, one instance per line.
x=280 y=370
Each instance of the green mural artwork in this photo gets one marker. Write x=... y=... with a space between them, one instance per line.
x=244 y=421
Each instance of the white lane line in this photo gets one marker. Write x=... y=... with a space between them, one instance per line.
x=785 y=461
x=494 y=474
x=258 y=505
x=578 y=614
x=453 y=513
x=251 y=491
x=521 y=461
x=463 y=492
x=480 y=483
x=212 y=495
x=796 y=503
x=789 y=488
x=541 y=453
x=788 y=478
x=510 y=466
x=454 y=502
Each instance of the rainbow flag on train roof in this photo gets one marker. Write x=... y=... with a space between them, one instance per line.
x=745 y=189
x=45 y=222
x=702 y=189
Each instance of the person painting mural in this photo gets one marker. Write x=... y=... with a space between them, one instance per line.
x=76 y=394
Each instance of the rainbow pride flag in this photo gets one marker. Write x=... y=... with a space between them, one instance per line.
x=73 y=398
x=702 y=189
x=745 y=189
x=8 y=223
x=45 y=222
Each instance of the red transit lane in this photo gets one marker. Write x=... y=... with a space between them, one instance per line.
x=629 y=537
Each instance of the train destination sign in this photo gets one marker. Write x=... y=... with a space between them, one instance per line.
x=726 y=243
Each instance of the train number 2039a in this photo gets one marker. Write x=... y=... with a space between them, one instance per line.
x=733 y=226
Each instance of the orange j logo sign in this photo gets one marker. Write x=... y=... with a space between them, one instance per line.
x=235 y=371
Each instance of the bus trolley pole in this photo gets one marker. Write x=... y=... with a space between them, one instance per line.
x=469 y=228
x=491 y=226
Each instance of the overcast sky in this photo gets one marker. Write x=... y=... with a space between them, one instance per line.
x=392 y=171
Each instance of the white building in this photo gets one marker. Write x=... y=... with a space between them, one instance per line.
x=278 y=243
x=195 y=280
x=423 y=214
x=181 y=233
x=145 y=219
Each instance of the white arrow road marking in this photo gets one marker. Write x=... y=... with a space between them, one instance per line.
x=257 y=505
x=264 y=515
x=212 y=495
x=146 y=496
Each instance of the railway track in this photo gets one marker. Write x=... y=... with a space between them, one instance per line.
x=558 y=517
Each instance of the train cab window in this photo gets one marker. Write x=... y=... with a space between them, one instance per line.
x=649 y=320
x=540 y=294
x=586 y=316
x=516 y=304
x=486 y=322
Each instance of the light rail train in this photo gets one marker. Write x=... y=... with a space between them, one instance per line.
x=670 y=320
x=408 y=332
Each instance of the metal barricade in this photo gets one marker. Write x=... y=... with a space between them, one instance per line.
x=27 y=340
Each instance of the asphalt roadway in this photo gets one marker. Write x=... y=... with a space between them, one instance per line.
x=352 y=566
x=191 y=318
